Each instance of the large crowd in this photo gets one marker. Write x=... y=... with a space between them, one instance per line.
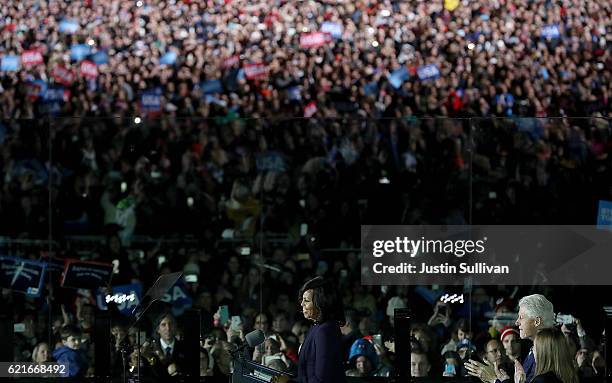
x=315 y=58
x=179 y=119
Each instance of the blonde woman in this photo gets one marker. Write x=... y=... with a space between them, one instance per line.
x=554 y=360
x=41 y=353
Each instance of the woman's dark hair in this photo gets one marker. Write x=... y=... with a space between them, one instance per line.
x=325 y=299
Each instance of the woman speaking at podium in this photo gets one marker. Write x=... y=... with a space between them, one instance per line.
x=320 y=356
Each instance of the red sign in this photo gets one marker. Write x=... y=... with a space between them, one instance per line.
x=314 y=39
x=255 y=71
x=230 y=61
x=89 y=69
x=31 y=57
x=63 y=75
x=310 y=109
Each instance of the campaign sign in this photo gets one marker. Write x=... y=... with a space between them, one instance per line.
x=604 y=215
x=428 y=72
x=55 y=268
x=34 y=89
x=169 y=58
x=398 y=76
x=370 y=89
x=89 y=69
x=78 y=52
x=63 y=75
x=86 y=274
x=100 y=58
x=550 y=31
x=150 y=101
x=334 y=29
x=255 y=71
x=10 y=63
x=22 y=275
x=231 y=61
x=310 y=109
x=31 y=57
x=53 y=94
x=126 y=297
x=68 y=26
x=211 y=87
x=178 y=297
x=313 y=40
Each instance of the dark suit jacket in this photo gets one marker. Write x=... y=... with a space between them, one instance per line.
x=320 y=358
x=160 y=368
x=529 y=365
x=548 y=377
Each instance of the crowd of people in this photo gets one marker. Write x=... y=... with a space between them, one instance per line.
x=184 y=118
x=316 y=58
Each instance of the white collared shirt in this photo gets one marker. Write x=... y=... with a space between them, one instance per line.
x=165 y=345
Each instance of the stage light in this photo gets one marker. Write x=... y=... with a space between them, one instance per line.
x=137 y=120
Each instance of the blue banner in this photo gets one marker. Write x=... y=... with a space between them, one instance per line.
x=211 y=87
x=126 y=297
x=294 y=93
x=78 y=52
x=22 y=275
x=334 y=29
x=10 y=63
x=398 y=76
x=100 y=58
x=551 y=31
x=169 y=58
x=150 y=100
x=68 y=26
x=54 y=94
x=178 y=297
x=428 y=72
x=604 y=215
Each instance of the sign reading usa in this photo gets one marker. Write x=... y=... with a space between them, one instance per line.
x=31 y=57
x=255 y=71
x=314 y=39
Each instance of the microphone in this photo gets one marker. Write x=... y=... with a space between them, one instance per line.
x=253 y=339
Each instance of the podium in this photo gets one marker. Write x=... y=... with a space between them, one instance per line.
x=246 y=371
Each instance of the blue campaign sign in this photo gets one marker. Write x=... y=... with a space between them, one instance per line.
x=10 y=63
x=604 y=215
x=270 y=161
x=53 y=94
x=68 y=26
x=126 y=297
x=78 y=52
x=22 y=275
x=100 y=58
x=211 y=87
x=398 y=76
x=150 y=100
x=169 y=58
x=428 y=72
x=334 y=29
x=551 y=31
x=178 y=297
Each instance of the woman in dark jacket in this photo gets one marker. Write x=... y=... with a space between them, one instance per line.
x=320 y=356
x=554 y=360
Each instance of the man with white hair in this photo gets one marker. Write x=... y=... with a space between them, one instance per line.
x=535 y=313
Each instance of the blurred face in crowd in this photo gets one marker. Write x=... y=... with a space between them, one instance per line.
x=512 y=345
x=363 y=365
x=494 y=351
x=308 y=307
x=261 y=322
x=167 y=329
x=527 y=326
x=419 y=365
x=73 y=342
x=280 y=324
x=42 y=353
x=461 y=335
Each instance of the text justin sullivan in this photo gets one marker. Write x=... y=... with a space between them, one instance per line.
x=444 y=268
